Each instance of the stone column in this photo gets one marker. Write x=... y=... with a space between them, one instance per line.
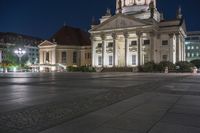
x=184 y=55
x=53 y=56
x=103 y=50
x=114 y=36
x=152 y=46
x=44 y=57
x=93 y=50
x=139 y=34
x=126 y=35
x=178 y=49
x=171 y=49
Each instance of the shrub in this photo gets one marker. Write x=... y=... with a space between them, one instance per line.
x=196 y=63
x=149 y=67
x=80 y=69
x=184 y=66
x=162 y=65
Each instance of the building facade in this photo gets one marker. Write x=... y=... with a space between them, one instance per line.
x=192 y=44
x=1 y=54
x=13 y=41
x=137 y=34
x=68 y=47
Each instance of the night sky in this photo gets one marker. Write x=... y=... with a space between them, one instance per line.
x=41 y=18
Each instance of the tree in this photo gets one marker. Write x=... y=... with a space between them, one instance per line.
x=184 y=66
x=162 y=65
x=196 y=63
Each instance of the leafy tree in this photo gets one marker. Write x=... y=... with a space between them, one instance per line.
x=184 y=66
x=162 y=65
x=149 y=67
x=196 y=63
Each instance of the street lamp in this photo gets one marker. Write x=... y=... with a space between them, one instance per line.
x=20 y=53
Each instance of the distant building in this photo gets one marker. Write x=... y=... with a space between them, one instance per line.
x=1 y=53
x=192 y=44
x=68 y=47
x=137 y=34
x=12 y=41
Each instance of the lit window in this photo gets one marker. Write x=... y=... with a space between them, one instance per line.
x=99 y=60
x=74 y=57
x=188 y=47
x=188 y=54
x=192 y=54
x=110 y=60
x=64 y=57
x=192 y=47
x=197 y=47
x=146 y=59
x=133 y=59
x=197 y=54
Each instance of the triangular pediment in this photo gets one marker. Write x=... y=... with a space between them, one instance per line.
x=120 y=21
x=46 y=43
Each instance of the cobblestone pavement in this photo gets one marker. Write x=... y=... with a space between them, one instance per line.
x=30 y=103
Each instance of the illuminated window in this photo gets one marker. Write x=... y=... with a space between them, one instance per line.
x=110 y=60
x=192 y=54
x=74 y=57
x=64 y=57
x=133 y=59
x=99 y=60
x=47 y=56
x=188 y=54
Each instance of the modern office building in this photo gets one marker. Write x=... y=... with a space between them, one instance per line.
x=192 y=44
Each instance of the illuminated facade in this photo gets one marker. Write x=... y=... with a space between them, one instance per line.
x=68 y=47
x=192 y=44
x=137 y=34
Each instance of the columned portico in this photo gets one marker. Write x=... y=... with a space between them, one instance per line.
x=135 y=36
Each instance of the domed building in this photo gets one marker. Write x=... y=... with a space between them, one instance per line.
x=69 y=46
x=136 y=34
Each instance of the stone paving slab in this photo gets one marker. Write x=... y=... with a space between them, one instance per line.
x=112 y=130
x=182 y=119
x=137 y=115
x=90 y=122
x=173 y=128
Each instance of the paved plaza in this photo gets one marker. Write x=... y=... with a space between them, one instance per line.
x=99 y=103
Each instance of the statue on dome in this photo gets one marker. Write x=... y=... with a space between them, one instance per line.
x=120 y=6
x=152 y=9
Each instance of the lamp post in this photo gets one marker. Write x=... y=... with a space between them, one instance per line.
x=20 y=53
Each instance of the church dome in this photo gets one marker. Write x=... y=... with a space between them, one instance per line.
x=134 y=6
